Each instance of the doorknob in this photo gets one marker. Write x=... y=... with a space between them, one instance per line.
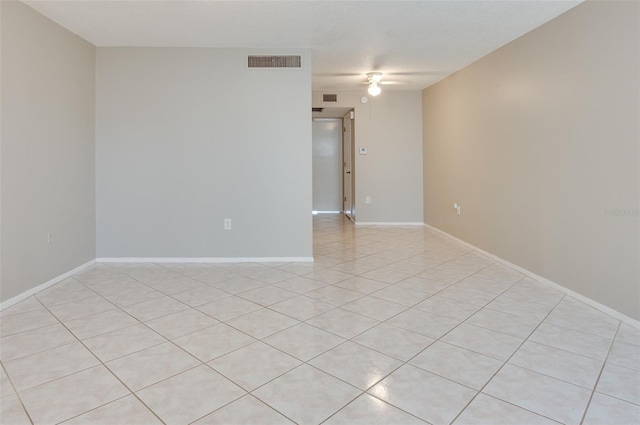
x=348 y=172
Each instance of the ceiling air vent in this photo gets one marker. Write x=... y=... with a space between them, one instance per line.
x=329 y=97
x=275 y=62
x=317 y=109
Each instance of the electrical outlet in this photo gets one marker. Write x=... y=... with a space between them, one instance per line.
x=367 y=199
x=227 y=224
x=49 y=237
x=456 y=207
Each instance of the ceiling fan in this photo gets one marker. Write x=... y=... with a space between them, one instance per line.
x=402 y=75
x=390 y=78
x=374 y=80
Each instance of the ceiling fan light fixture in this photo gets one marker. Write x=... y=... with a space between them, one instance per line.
x=374 y=89
x=374 y=79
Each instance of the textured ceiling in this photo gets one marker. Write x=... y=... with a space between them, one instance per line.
x=414 y=43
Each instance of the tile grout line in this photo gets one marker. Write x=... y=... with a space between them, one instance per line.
x=96 y=408
x=15 y=392
x=604 y=364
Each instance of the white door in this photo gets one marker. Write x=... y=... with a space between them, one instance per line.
x=327 y=164
x=347 y=166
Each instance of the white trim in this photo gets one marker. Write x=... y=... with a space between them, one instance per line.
x=206 y=260
x=595 y=304
x=32 y=291
x=389 y=223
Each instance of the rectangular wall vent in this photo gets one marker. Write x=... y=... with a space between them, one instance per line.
x=275 y=62
x=329 y=97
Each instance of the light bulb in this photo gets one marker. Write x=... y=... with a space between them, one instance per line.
x=374 y=89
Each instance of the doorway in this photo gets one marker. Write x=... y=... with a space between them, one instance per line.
x=333 y=161
x=327 y=165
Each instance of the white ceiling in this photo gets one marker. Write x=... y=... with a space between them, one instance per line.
x=414 y=43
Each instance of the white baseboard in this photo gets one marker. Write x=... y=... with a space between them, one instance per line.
x=32 y=291
x=389 y=223
x=206 y=260
x=601 y=307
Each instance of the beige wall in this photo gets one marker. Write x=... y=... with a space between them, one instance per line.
x=47 y=150
x=390 y=126
x=537 y=141
x=187 y=137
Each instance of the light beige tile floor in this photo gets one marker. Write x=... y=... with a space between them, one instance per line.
x=389 y=325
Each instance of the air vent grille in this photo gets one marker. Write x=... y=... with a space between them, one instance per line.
x=329 y=97
x=275 y=62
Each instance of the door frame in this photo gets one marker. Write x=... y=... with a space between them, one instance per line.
x=348 y=170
